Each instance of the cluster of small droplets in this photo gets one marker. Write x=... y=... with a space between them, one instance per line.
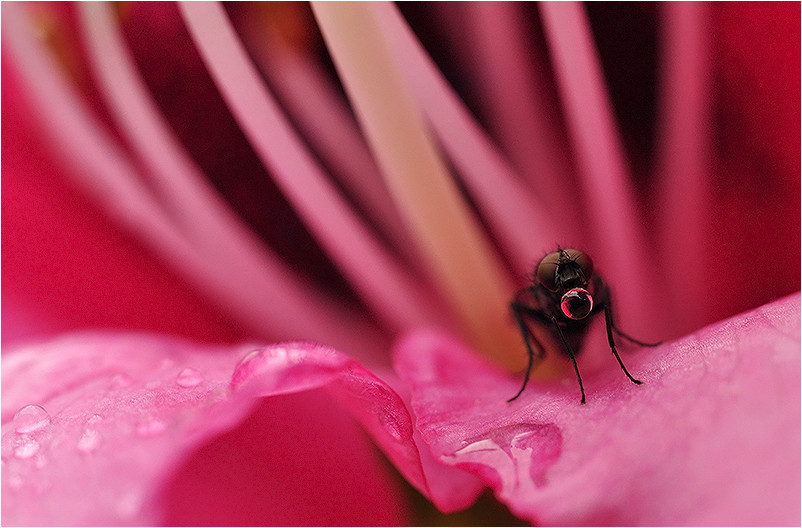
x=31 y=420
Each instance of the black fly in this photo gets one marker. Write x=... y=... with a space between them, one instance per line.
x=565 y=294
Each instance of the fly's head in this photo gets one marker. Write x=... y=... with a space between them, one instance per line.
x=566 y=273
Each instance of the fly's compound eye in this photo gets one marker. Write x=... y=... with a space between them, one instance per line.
x=576 y=303
x=549 y=267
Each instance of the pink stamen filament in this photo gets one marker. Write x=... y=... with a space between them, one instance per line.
x=390 y=291
x=457 y=253
x=285 y=307
x=509 y=207
x=684 y=156
x=616 y=223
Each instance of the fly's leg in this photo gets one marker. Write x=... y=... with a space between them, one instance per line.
x=608 y=314
x=518 y=312
x=632 y=339
x=573 y=358
x=608 y=319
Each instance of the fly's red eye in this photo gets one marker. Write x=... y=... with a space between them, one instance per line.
x=576 y=303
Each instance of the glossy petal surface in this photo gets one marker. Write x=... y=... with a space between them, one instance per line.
x=714 y=427
x=152 y=430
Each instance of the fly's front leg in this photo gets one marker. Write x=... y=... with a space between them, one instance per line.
x=632 y=339
x=518 y=312
x=608 y=314
x=573 y=358
x=608 y=319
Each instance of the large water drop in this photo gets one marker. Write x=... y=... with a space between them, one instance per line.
x=189 y=377
x=31 y=418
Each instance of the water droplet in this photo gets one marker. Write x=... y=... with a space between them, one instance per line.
x=95 y=418
x=120 y=381
x=150 y=427
x=25 y=447
x=31 y=418
x=250 y=356
x=246 y=367
x=189 y=377
x=89 y=441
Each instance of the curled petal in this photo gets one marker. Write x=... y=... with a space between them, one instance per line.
x=104 y=429
x=380 y=410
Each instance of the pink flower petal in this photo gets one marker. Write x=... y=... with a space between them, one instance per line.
x=126 y=412
x=380 y=410
x=296 y=461
x=712 y=437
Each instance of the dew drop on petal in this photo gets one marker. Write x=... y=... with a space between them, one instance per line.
x=189 y=377
x=150 y=427
x=249 y=357
x=246 y=367
x=89 y=441
x=31 y=418
x=25 y=446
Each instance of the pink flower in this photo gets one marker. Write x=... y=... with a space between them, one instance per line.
x=119 y=223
